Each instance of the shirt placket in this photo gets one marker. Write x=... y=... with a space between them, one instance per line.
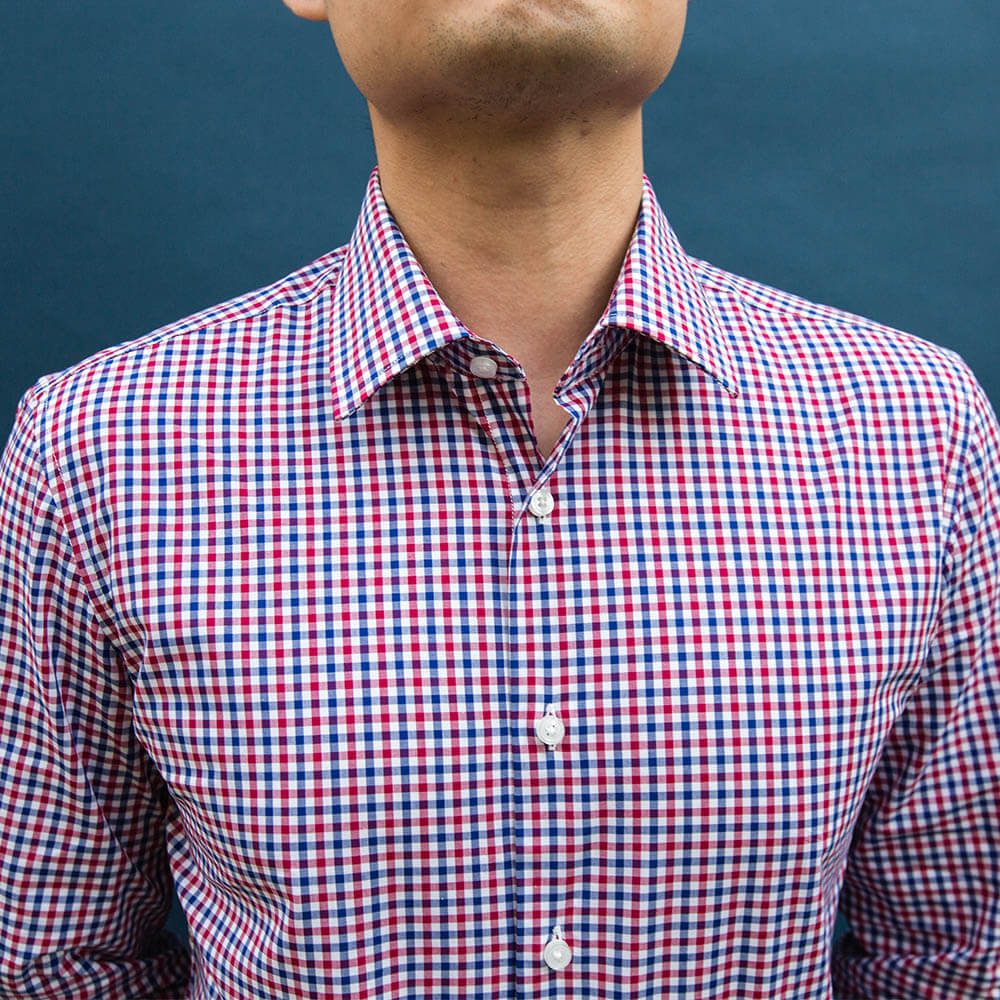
x=492 y=389
x=542 y=692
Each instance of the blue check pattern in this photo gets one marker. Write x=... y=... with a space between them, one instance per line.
x=279 y=619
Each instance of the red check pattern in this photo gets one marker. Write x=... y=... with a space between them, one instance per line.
x=278 y=623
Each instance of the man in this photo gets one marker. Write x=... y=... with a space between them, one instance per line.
x=504 y=604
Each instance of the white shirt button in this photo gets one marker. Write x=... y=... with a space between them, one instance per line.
x=557 y=953
x=541 y=503
x=549 y=729
x=483 y=366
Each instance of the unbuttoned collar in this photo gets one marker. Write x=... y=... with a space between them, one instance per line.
x=387 y=315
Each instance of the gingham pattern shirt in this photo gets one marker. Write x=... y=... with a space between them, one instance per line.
x=294 y=613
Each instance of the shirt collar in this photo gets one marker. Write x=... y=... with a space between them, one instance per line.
x=387 y=315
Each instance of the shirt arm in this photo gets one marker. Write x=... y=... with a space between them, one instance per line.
x=922 y=886
x=85 y=888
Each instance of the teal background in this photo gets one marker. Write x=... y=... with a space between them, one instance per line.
x=159 y=158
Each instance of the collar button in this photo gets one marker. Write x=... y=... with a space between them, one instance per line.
x=483 y=366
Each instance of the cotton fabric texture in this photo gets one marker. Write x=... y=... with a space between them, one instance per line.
x=278 y=622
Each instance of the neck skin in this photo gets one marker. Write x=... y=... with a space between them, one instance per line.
x=522 y=236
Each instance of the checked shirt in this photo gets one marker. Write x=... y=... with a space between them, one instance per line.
x=294 y=616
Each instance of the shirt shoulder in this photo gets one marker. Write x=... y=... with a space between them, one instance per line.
x=213 y=332
x=833 y=351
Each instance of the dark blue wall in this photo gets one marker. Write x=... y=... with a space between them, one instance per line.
x=158 y=158
x=161 y=157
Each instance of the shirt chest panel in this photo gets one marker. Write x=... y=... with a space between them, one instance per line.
x=351 y=633
x=353 y=620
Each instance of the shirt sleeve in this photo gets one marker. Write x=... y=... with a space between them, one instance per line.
x=85 y=888
x=921 y=891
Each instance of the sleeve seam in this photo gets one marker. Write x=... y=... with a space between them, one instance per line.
x=957 y=483
x=103 y=613
x=30 y=412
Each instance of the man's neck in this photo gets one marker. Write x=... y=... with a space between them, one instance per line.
x=522 y=237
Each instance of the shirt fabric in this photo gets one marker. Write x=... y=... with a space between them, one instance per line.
x=290 y=599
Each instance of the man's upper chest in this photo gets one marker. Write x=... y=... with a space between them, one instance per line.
x=716 y=581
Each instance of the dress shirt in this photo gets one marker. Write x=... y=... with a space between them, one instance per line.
x=295 y=615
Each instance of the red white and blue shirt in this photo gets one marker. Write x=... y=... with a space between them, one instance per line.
x=294 y=614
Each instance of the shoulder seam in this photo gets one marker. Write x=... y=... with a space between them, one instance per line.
x=715 y=279
x=200 y=320
x=103 y=614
